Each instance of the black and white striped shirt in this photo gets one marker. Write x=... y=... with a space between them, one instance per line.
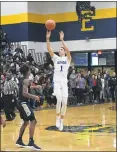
x=10 y=87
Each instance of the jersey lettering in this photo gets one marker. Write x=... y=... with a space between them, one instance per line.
x=61 y=62
x=61 y=68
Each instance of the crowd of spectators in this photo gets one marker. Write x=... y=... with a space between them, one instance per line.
x=89 y=88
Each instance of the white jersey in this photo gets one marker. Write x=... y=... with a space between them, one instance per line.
x=61 y=66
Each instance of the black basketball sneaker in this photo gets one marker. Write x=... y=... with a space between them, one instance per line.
x=33 y=146
x=20 y=144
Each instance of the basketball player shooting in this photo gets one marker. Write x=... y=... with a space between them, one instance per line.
x=61 y=66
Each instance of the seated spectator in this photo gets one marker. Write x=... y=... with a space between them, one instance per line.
x=30 y=58
x=48 y=91
x=12 y=49
x=37 y=90
x=18 y=49
x=43 y=80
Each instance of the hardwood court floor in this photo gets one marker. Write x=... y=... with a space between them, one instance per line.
x=91 y=128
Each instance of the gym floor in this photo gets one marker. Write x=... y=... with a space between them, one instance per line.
x=87 y=128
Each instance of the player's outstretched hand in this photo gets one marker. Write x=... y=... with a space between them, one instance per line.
x=48 y=34
x=37 y=98
x=61 y=36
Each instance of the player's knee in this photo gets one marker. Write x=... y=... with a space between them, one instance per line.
x=64 y=100
x=26 y=123
x=63 y=110
x=58 y=104
x=34 y=122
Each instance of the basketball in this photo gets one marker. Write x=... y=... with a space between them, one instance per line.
x=50 y=25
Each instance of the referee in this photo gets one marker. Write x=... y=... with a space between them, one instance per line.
x=10 y=88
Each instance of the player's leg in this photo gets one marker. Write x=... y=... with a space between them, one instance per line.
x=57 y=90
x=22 y=129
x=23 y=116
x=33 y=122
x=64 y=103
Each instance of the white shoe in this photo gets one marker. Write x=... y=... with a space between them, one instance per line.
x=58 y=122
x=61 y=126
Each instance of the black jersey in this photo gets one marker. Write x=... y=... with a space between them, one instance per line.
x=21 y=97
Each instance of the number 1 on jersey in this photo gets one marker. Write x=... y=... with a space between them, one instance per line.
x=61 y=69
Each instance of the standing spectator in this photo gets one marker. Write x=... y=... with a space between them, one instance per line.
x=116 y=93
x=72 y=81
x=106 y=87
x=88 y=77
x=98 y=88
x=112 y=84
x=94 y=83
x=102 y=93
x=80 y=88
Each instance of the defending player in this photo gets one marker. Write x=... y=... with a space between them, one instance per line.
x=26 y=112
x=61 y=66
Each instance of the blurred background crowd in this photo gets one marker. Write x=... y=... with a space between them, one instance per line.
x=88 y=88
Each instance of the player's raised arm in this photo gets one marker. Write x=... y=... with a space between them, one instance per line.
x=48 y=34
x=64 y=45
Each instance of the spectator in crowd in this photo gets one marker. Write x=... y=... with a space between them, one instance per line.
x=106 y=87
x=30 y=58
x=116 y=93
x=102 y=93
x=98 y=87
x=72 y=81
x=38 y=91
x=12 y=49
x=80 y=88
x=94 y=84
x=112 y=84
x=18 y=49
x=48 y=91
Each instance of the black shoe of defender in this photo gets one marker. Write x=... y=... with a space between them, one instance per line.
x=20 y=144
x=33 y=146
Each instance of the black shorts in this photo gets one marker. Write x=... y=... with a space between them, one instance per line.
x=26 y=113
